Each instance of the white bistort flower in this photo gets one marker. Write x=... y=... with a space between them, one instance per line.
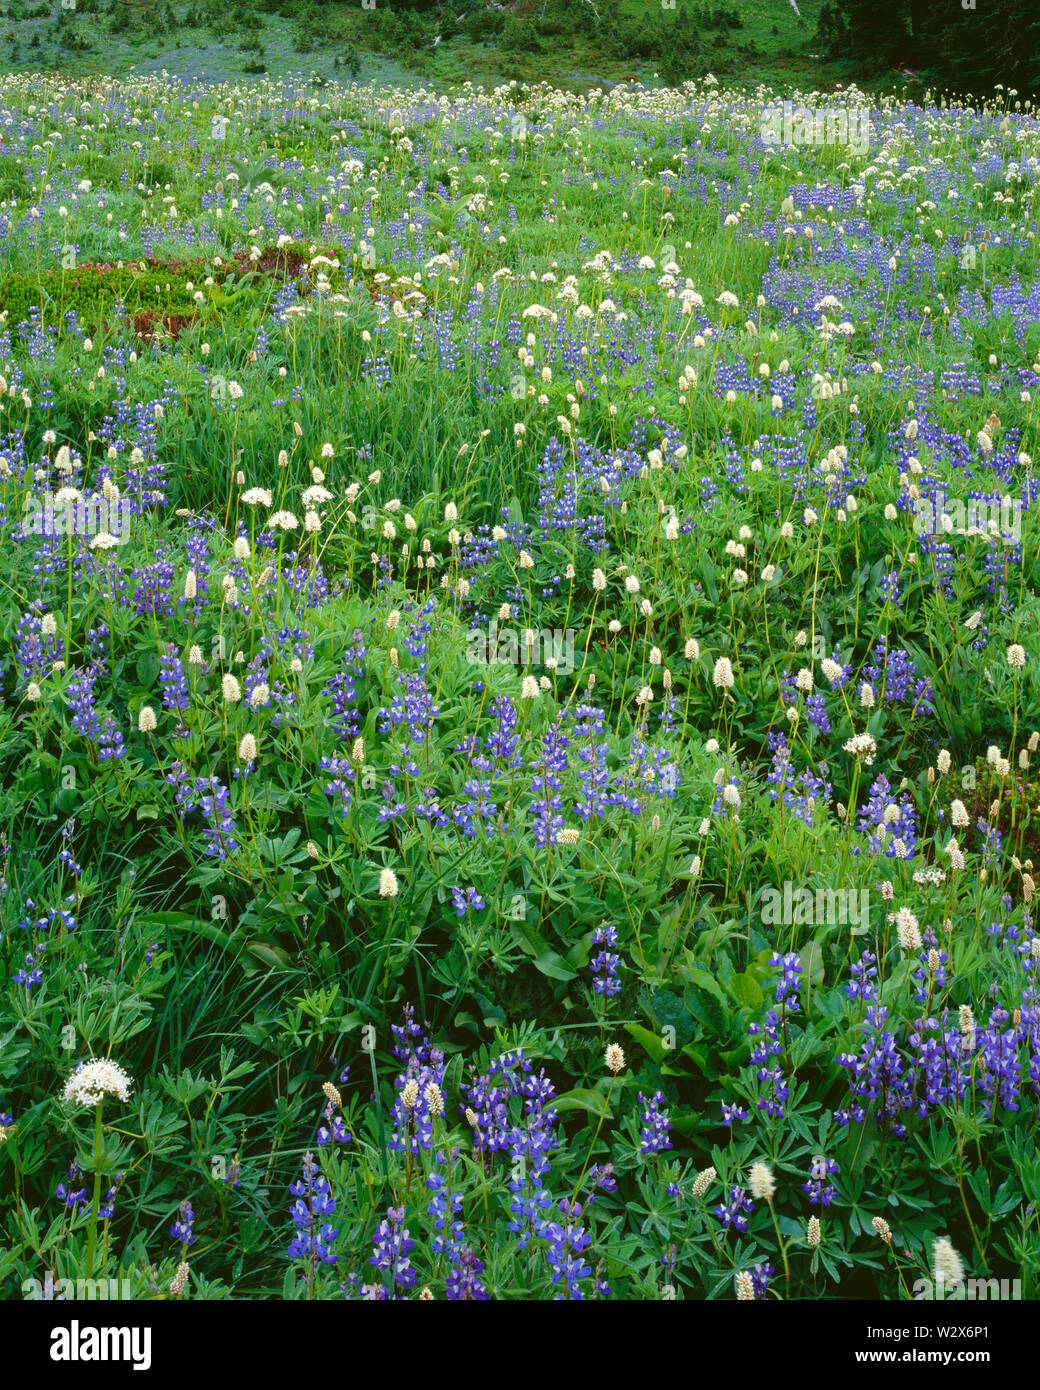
x=722 y=675
x=762 y=1182
x=948 y=1267
x=908 y=930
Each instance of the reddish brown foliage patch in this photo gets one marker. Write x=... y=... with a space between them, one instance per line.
x=147 y=324
x=278 y=265
x=274 y=264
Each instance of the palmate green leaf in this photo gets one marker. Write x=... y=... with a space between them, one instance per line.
x=162 y=1129
x=8 y=1261
x=1008 y=1198
x=979 y=1184
x=185 y=1088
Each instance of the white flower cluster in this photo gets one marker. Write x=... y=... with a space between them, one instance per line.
x=92 y=1081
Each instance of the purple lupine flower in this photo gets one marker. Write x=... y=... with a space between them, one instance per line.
x=107 y=1209
x=766 y=1046
x=32 y=973
x=181 y=1230
x=567 y=1242
x=464 y=1282
x=391 y=1248
x=444 y=1208
x=877 y=1072
x=312 y=1241
x=67 y=1193
x=790 y=982
x=760 y=1277
x=174 y=682
x=864 y=973
x=606 y=963
x=334 y=1128
x=80 y=695
x=467 y=899
x=342 y=774
x=212 y=797
x=732 y=1212
x=653 y=1137
x=819 y=1188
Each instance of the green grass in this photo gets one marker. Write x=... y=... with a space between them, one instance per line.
x=772 y=44
x=428 y=395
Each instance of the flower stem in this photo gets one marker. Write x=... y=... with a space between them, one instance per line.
x=95 y=1205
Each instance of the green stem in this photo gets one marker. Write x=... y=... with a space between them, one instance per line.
x=382 y=1134
x=783 y=1247
x=95 y=1205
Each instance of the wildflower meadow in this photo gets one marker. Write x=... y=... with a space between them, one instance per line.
x=519 y=691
